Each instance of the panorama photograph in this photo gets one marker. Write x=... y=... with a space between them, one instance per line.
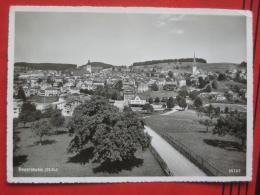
x=97 y=94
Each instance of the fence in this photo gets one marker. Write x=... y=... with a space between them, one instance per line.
x=161 y=162
x=203 y=164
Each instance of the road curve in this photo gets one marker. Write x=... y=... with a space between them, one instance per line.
x=178 y=164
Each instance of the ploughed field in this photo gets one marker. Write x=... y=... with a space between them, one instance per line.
x=222 y=152
x=53 y=158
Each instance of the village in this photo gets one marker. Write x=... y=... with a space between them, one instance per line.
x=133 y=86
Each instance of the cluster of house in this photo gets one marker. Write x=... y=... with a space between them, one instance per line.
x=241 y=74
x=216 y=96
x=66 y=104
x=49 y=83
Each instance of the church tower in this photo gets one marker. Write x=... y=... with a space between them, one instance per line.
x=89 y=66
x=194 y=65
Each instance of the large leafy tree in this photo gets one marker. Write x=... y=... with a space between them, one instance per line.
x=119 y=85
x=214 y=84
x=57 y=120
x=108 y=92
x=183 y=92
x=170 y=102
x=207 y=123
x=29 y=113
x=50 y=80
x=209 y=111
x=198 y=102
x=234 y=124
x=21 y=94
x=182 y=103
x=194 y=94
x=208 y=89
x=154 y=87
x=150 y=100
x=170 y=74
x=148 y=107
x=116 y=136
x=202 y=82
x=157 y=100
x=41 y=128
x=222 y=77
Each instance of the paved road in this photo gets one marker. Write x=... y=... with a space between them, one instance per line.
x=176 y=162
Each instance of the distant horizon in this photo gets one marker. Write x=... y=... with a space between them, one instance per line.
x=122 y=65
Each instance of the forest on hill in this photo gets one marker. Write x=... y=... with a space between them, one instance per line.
x=99 y=64
x=45 y=66
x=180 y=60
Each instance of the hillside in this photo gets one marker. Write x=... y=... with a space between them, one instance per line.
x=183 y=66
x=45 y=66
x=218 y=67
x=98 y=64
x=181 y=60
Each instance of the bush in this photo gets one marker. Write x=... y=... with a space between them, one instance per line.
x=150 y=100
x=208 y=89
x=154 y=87
x=198 y=102
x=29 y=113
x=193 y=95
x=42 y=128
x=222 y=77
x=214 y=84
x=57 y=120
x=170 y=102
x=157 y=100
x=148 y=108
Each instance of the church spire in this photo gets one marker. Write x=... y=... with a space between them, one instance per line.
x=194 y=67
x=194 y=58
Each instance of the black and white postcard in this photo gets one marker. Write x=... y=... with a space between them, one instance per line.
x=113 y=94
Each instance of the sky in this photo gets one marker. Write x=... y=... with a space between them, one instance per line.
x=121 y=39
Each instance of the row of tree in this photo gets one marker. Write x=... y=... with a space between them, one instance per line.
x=153 y=62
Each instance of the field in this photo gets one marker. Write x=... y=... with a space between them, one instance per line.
x=186 y=66
x=52 y=154
x=221 y=152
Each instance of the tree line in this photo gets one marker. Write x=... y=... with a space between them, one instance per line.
x=45 y=66
x=153 y=62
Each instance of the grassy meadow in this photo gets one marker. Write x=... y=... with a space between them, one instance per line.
x=52 y=154
x=222 y=152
